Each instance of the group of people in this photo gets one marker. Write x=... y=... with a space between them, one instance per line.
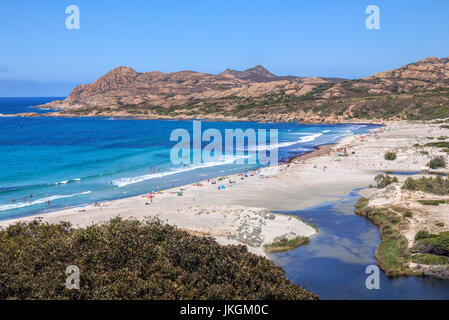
x=14 y=200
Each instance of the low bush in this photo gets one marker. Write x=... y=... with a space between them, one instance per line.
x=390 y=156
x=437 y=244
x=437 y=185
x=430 y=259
x=384 y=180
x=408 y=214
x=441 y=144
x=285 y=244
x=422 y=234
x=432 y=202
x=437 y=162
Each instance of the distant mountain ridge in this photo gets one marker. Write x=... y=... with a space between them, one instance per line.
x=258 y=94
x=256 y=74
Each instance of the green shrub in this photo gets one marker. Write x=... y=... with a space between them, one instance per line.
x=439 y=224
x=432 y=202
x=441 y=144
x=424 y=152
x=408 y=214
x=285 y=244
x=422 y=234
x=442 y=137
x=133 y=260
x=384 y=180
x=437 y=162
x=430 y=259
x=434 y=244
x=390 y=156
x=437 y=185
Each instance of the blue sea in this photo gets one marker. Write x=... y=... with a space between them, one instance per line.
x=75 y=161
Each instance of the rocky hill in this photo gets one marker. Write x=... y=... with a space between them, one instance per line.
x=418 y=90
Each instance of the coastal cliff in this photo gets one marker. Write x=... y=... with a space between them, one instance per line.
x=415 y=91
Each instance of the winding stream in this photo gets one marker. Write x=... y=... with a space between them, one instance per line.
x=333 y=264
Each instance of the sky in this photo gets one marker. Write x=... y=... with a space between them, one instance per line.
x=289 y=37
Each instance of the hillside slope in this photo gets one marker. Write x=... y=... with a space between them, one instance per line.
x=418 y=90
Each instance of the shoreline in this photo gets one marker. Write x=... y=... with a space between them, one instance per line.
x=233 y=210
x=56 y=114
x=319 y=151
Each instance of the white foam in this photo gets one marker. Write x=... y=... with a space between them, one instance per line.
x=127 y=181
x=39 y=201
x=308 y=138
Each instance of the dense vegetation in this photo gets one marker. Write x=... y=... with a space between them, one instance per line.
x=435 y=244
x=437 y=185
x=133 y=260
x=432 y=251
x=392 y=253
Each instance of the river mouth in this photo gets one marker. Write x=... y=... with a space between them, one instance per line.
x=333 y=264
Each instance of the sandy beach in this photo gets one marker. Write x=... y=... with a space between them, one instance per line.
x=245 y=211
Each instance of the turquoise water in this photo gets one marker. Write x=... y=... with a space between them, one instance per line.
x=333 y=264
x=73 y=161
